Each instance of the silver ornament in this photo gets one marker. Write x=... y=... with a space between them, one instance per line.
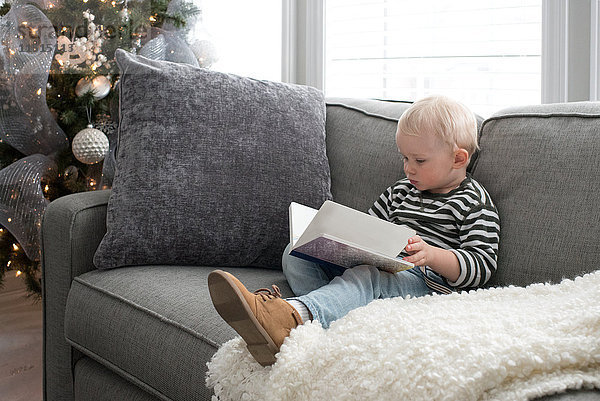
x=84 y=85
x=99 y=86
x=90 y=145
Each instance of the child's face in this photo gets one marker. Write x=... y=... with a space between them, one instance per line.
x=430 y=163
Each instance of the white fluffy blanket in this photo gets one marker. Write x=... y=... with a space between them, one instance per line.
x=497 y=344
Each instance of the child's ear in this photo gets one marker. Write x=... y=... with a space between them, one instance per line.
x=461 y=158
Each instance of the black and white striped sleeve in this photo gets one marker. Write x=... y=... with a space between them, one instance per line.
x=479 y=236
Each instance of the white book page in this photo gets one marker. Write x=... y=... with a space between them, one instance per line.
x=359 y=228
x=300 y=218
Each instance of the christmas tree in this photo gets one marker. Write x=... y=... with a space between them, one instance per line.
x=58 y=104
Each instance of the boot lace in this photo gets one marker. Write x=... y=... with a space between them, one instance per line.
x=266 y=293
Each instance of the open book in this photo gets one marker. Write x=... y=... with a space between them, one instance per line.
x=341 y=236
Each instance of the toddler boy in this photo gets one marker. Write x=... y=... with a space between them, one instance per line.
x=455 y=247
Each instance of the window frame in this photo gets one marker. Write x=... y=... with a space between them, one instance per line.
x=595 y=50
x=303 y=25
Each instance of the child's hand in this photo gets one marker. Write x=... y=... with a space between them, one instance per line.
x=420 y=251
x=442 y=261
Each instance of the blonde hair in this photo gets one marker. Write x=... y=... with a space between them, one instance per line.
x=448 y=119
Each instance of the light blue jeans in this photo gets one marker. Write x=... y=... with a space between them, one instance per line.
x=331 y=292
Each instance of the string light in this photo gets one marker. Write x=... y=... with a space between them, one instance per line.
x=15 y=247
x=9 y=219
x=151 y=18
x=19 y=272
x=39 y=91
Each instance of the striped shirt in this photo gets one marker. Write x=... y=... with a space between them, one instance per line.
x=464 y=221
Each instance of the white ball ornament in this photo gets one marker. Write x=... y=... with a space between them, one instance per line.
x=90 y=145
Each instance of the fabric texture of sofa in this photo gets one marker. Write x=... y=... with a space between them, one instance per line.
x=146 y=332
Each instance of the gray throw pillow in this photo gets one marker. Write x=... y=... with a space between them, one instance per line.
x=207 y=164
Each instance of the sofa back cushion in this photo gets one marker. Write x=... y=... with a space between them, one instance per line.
x=362 y=151
x=540 y=164
x=207 y=165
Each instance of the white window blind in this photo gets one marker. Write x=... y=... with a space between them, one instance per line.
x=485 y=53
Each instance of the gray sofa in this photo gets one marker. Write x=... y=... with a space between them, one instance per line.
x=147 y=332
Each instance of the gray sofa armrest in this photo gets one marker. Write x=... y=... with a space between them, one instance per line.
x=72 y=228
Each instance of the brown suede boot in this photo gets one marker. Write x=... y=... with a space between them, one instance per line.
x=263 y=319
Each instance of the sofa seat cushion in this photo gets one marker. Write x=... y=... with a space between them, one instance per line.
x=156 y=327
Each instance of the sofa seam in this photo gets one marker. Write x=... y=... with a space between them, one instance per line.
x=544 y=115
x=358 y=109
x=537 y=115
x=121 y=372
x=147 y=311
